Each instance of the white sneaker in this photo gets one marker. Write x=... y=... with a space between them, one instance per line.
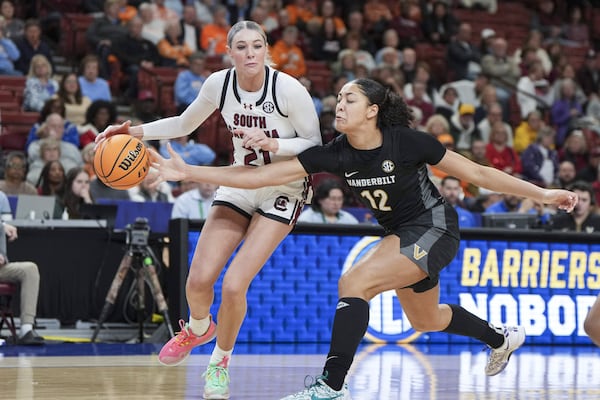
x=320 y=391
x=216 y=385
x=514 y=336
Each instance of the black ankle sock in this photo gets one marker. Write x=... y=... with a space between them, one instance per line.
x=466 y=324
x=349 y=326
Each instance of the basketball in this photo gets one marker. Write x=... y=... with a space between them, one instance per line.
x=121 y=161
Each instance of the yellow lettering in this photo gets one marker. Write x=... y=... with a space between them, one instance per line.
x=593 y=280
x=470 y=268
x=490 y=270
x=511 y=264
x=530 y=267
x=577 y=268
x=544 y=269
x=557 y=269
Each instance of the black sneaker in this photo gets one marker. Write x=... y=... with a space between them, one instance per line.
x=31 y=338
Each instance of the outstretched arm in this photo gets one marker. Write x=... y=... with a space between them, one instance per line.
x=245 y=177
x=491 y=178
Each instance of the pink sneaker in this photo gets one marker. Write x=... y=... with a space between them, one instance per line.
x=176 y=350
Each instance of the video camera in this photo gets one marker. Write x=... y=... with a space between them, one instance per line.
x=138 y=232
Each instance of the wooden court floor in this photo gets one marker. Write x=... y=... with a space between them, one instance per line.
x=379 y=373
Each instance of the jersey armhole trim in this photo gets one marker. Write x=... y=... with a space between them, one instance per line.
x=224 y=90
x=274 y=96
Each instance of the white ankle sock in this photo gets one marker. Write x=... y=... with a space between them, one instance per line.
x=25 y=328
x=218 y=355
x=199 y=326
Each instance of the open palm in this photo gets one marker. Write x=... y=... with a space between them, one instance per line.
x=171 y=169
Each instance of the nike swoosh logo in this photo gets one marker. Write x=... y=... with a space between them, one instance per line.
x=349 y=174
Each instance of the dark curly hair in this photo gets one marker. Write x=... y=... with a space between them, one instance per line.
x=393 y=110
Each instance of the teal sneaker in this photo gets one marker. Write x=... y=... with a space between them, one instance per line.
x=216 y=378
x=320 y=391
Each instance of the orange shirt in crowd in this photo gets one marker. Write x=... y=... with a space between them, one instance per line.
x=218 y=34
x=288 y=59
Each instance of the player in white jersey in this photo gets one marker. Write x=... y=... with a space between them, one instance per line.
x=279 y=121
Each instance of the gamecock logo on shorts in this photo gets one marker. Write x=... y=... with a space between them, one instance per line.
x=281 y=203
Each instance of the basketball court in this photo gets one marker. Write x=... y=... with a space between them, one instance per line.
x=415 y=372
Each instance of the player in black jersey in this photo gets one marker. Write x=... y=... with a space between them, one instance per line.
x=384 y=162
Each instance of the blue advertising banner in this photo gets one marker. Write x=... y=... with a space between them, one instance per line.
x=545 y=285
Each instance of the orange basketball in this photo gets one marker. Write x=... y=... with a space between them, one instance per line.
x=121 y=161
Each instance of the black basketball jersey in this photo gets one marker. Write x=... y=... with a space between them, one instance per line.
x=391 y=180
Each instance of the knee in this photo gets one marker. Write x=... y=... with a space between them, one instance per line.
x=198 y=282
x=233 y=290
x=31 y=271
x=349 y=287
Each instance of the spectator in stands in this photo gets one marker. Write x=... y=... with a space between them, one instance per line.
x=147 y=192
x=487 y=37
x=327 y=11
x=566 y=174
x=307 y=83
x=362 y=56
x=503 y=71
x=135 y=52
x=27 y=275
x=584 y=217
x=77 y=192
x=588 y=74
x=213 y=39
x=448 y=104
x=463 y=128
x=345 y=65
x=194 y=203
x=533 y=91
x=189 y=81
x=98 y=116
x=192 y=152
x=15 y=171
x=576 y=30
x=173 y=50
x=356 y=28
x=43 y=129
x=190 y=28
x=326 y=206
x=486 y=98
x=507 y=203
x=437 y=125
x=299 y=12
x=567 y=71
x=547 y=19
x=13 y=27
x=104 y=32
x=477 y=152
x=39 y=86
x=527 y=131
x=327 y=43
x=30 y=45
x=418 y=100
x=76 y=104
x=204 y=10
x=92 y=86
x=450 y=189
x=239 y=10
x=153 y=29
x=494 y=115
x=407 y=27
x=52 y=179
x=534 y=41
x=9 y=53
x=590 y=172
x=287 y=56
x=51 y=149
x=565 y=111
x=440 y=25
x=500 y=154
x=94 y=7
x=490 y=6
x=540 y=160
x=163 y=12
x=87 y=155
x=575 y=150
x=126 y=11
x=462 y=56
x=388 y=56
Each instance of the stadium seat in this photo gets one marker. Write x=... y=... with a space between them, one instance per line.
x=7 y=291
